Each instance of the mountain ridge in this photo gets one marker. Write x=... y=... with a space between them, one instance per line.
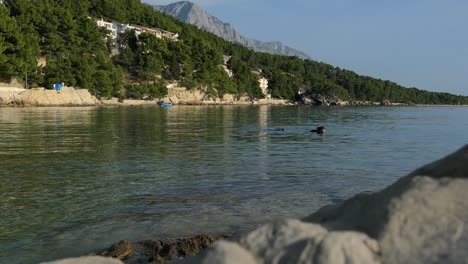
x=191 y=13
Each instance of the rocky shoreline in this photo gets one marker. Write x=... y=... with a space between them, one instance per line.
x=14 y=96
x=325 y=100
x=421 y=218
x=69 y=96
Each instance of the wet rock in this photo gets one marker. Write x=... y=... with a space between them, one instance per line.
x=159 y=251
x=121 y=250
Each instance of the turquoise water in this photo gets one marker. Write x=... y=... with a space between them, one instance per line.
x=75 y=180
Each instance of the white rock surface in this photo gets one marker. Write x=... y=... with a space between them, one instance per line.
x=86 y=260
x=224 y=252
x=68 y=96
x=293 y=241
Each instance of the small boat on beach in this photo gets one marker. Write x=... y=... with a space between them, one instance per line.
x=165 y=105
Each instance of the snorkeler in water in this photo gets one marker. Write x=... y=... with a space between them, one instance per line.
x=319 y=130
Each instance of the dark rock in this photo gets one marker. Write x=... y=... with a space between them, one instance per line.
x=160 y=251
x=121 y=250
x=320 y=100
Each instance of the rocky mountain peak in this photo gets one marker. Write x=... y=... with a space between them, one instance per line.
x=189 y=12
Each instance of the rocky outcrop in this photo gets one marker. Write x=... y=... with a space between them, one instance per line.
x=183 y=96
x=326 y=100
x=419 y=219
x=68 y=96
x=159 y=251
x=320 y=99
x=11 y=96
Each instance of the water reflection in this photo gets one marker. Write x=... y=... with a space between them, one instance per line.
x=78 y=179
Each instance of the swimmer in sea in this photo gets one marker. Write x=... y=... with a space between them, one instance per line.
x=319 y=130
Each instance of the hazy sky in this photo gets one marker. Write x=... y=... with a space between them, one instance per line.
x=416 y=43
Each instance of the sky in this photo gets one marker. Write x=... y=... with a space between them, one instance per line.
x=416 y=43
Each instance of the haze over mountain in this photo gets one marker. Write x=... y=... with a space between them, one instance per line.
x=189 y=12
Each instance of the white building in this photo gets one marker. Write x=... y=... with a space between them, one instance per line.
x=264 y=86
x=263 y=82
x=112 y=27
x=116 y=29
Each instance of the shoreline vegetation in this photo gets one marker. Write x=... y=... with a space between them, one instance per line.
x=126 y=49
x=418 y=219
x=16 y=97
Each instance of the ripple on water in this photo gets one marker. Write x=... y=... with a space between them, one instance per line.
x=76 y=180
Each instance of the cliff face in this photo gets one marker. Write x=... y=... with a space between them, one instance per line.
x=190 y=13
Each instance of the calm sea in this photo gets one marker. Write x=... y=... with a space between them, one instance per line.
x=76 y=180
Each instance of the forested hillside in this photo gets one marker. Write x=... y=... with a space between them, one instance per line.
x=64 y=34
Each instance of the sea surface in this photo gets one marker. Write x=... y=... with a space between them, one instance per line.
x=77 y=180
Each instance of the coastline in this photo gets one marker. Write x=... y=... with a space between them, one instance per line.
x=69 y=96
x=13 y=96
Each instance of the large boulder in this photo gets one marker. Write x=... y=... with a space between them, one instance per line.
x=421 y=218
x=293 y=241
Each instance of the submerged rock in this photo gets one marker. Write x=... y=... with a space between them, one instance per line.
x=421 y=218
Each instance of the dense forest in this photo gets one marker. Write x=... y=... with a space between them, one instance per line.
x=64 y=34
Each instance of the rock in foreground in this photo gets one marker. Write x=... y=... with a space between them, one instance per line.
x=419 y=219
x=159 y=251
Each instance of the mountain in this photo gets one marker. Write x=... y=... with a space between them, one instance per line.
x=188 y=12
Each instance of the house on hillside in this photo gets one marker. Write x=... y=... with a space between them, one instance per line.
x=112 y=27
x=263 y=83
x=264 y=86
x=159 y=33
x=116 y=29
